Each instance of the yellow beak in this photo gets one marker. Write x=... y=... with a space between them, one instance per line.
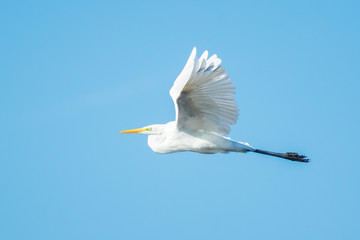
x=137 y=130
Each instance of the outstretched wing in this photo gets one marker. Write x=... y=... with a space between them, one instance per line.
x=203 y=96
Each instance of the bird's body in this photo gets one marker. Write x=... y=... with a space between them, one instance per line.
x=174 y=140
x=205 y=107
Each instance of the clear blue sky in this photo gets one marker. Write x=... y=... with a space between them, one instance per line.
x=75 y=73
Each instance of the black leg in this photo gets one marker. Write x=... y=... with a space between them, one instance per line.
x=289 y=155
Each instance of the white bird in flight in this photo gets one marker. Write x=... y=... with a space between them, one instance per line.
x=205 y=109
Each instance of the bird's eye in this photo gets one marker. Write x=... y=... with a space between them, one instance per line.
x=148 y=129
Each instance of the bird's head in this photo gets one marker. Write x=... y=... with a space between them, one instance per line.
x=149 y=130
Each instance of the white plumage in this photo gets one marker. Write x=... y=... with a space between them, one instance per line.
x=203 y=96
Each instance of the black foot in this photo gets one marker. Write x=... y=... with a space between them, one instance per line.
x=296 y=157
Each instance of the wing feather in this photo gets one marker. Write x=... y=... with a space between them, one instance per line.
x=203 y=95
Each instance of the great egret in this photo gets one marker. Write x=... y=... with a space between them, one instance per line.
x=205 y=109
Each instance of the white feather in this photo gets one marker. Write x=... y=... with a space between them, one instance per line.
x=203 y=96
